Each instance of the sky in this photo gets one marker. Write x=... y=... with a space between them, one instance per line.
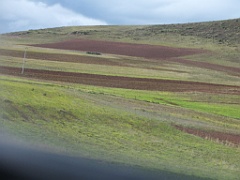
x=20 y=15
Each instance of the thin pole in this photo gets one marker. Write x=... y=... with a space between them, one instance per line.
x=24 y=57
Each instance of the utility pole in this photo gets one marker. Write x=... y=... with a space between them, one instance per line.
x=213 y=36
x=24 y=60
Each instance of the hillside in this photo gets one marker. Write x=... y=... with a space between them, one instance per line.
x=164 y=98
x=220 y=32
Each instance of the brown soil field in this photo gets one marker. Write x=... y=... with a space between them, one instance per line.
x=213 y=135
x=160 y=53
x=59 y=57
x=122 y=82
x=128 y=49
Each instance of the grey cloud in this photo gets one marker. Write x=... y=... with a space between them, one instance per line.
x=16 y=15
x=157 y=11
x=50 y=13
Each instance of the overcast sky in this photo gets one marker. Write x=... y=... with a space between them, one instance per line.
x=18 y=15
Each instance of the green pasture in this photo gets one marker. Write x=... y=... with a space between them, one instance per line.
x=173 y=99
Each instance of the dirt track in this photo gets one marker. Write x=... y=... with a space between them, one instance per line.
x=220 y=136
x=122 y=82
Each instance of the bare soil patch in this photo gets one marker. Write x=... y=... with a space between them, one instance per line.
x=128 y=49
x=60 y=57
x=122 y=82
x=213 y=135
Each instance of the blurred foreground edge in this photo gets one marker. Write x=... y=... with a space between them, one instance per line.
x=22 y=162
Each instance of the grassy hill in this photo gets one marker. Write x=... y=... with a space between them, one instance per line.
x=220 y=32
x=177 y=113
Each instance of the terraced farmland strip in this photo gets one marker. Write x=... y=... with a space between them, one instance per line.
x=59 y=57
x=234 y=71
x=160 y=53
x=122 y=82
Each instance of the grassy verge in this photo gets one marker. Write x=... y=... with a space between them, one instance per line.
x=72 y=120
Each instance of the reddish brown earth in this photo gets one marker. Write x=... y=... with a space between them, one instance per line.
x=122 y=82
x=59 y=57
x=128 y=49
x=161 y=53
x=220 y=136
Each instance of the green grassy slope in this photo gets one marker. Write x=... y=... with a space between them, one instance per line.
x=80 y=123
x=220 y=32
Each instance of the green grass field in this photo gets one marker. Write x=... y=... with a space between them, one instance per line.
x=132 y=127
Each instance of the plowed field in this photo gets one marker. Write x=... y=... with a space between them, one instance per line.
x=161 y=53
x=128 y=49
x=59 y=57
x=122 y=82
